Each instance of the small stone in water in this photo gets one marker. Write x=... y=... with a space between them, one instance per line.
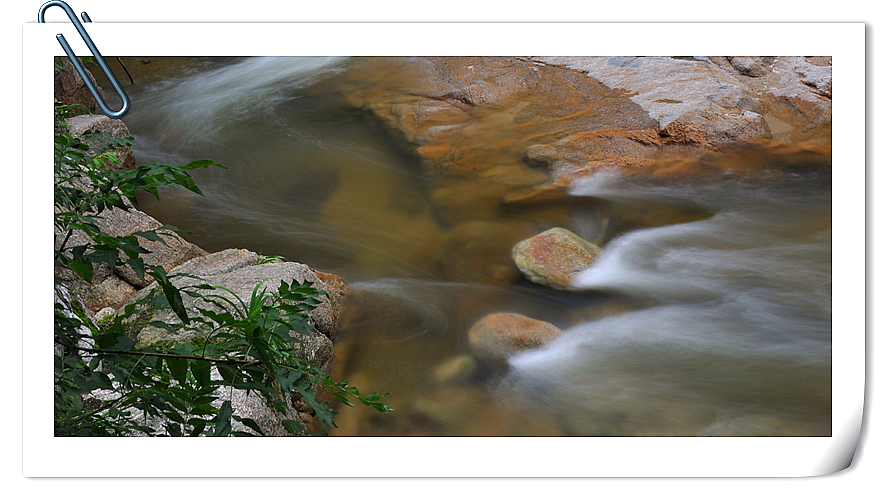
x=554 y=257
x=499 y=335
x=455 y=370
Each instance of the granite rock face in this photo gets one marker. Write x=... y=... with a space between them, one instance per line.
x=236 y=271
x=718 y=100
x=693 y=101
x=112 y=287
x=80 y=124
x=491 y=128
x=70 y=89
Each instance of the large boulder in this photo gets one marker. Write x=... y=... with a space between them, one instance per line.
x=81 y=124
x=692 y=99
x=112 y=288
x=470 y=119
x=499 y=335
x=237 y=272
x=70 y=89
x=215 y=263
x=716 y=100
x=491 y=128
x=553 y=258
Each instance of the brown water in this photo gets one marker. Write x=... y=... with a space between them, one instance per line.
x=708 y=313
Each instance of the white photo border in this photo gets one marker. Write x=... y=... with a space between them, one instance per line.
x=48 y=456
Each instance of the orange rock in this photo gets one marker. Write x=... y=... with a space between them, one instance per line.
x=554 y=257
x=498 y=335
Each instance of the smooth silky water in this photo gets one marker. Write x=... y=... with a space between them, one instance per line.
x=713 y=323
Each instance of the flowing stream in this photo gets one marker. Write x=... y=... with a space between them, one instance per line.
x=715 y=319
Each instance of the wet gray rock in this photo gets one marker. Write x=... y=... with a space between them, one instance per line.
x=240 y=282
x=111 y=288
x=100 y=123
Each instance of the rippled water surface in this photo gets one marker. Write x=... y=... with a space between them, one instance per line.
x=708 y=312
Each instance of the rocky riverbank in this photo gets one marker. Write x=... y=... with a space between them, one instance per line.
x=238 y=270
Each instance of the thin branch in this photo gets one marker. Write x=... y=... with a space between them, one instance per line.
x=127 y=71
x=67 y=236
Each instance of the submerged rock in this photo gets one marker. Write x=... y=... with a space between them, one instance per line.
x=554 y=257
x=455 y=370
x=478 y=251
x=445 y=410
x=498 y=335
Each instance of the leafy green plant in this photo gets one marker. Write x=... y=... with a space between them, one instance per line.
x=84 y=188
x=269 y=259
x=104 y=385
x=59 y=62
x=254 y=337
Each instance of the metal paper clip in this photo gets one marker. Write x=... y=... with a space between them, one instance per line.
x=95 y=52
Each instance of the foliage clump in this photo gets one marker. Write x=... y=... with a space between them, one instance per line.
x=250 y=345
